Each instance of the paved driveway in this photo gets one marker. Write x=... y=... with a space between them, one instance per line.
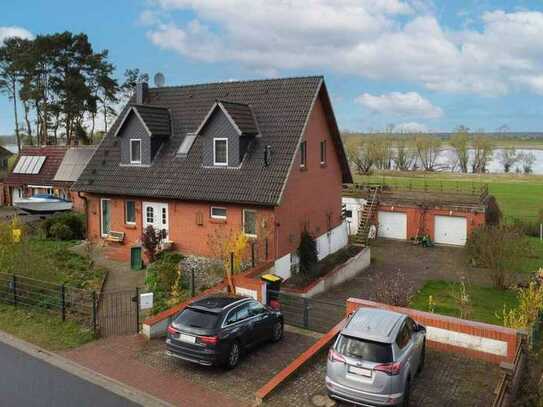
x=416 y=263
x=447 y=380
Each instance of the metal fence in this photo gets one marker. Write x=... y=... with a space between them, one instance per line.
x=309 y=313
x=119 y=313
x=68 y=302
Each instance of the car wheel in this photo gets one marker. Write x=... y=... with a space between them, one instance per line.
x=277 y=333
x=406 y=394
x=422 y=358
x=233 y=355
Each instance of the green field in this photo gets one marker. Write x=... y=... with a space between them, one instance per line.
x=519 y=196
x=485 y=303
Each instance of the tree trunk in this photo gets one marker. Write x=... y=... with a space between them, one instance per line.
x=27 y=119
x=17 y=135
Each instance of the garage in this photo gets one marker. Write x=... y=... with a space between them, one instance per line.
x=451 y=230
x=392 y=225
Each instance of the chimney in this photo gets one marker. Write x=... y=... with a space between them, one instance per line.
x=141 y=92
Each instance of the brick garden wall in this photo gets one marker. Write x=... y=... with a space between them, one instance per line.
x=487 y=342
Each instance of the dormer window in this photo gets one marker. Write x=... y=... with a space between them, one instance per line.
x=220 y=151
x=135 y=151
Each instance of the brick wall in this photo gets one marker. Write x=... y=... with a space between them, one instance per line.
x=487 y=342
x=188 y=235
x=414 y=215
x=312 y=195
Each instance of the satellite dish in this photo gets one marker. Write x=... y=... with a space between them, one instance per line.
x=160 y=79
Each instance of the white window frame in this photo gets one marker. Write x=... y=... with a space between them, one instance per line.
x=126 y=212
x=303 y=154
x=102 y=200
x=249 y=234
x=217 y=216
x=221 y=164
x=131 y=141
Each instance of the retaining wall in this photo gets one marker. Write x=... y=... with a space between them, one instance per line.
x=487 y=342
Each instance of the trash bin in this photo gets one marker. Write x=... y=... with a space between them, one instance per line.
x=273 y=287
x=136 y=260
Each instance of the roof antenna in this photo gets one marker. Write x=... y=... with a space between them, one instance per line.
x=159 y=79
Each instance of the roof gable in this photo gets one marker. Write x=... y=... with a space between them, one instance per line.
x=280 y=108
x=239 y=115
x=155 y=119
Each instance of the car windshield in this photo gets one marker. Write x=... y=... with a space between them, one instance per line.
x=197 y=319
x=363 y=349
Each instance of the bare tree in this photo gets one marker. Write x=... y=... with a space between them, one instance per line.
x=428 y=149
x=528 y=160
x=483 y=149
x=362 y=152
x=460 y=145
x=405 y=153
x=507 y=158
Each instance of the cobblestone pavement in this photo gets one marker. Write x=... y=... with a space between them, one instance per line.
x=444 y=382
x=254 y=370
x=117 y=358
x=418 y=263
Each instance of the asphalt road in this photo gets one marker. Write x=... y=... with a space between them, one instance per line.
x=26 y=381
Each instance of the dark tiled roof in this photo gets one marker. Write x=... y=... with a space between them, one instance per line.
x=54 y=156
x=157 y=119
x=242 y=115
x=281 y=108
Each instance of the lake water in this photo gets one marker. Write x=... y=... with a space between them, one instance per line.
x=447 y=159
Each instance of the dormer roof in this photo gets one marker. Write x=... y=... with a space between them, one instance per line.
x=240 y=115
x=155 y=119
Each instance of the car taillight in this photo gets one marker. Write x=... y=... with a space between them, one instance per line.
x=391 y=369
x=171 y=330
x=333 y=356
x=208 y=340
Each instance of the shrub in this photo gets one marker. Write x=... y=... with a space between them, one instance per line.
x=500 y=249
x=307 y=253
x=61 y=231
x=530 y=305
x=74 y=222
x=166 y=279
x=150 y=240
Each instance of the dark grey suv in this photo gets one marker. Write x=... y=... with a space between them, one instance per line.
x=215 y=330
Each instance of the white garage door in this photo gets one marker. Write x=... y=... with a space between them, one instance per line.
x=451 y=230
x=392 y=225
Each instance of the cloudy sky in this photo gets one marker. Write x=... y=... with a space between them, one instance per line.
x=415 y=64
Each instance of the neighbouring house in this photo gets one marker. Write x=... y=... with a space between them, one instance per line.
x=201 y=161
x=5 y=155
x=48 y=170
x=447 y=215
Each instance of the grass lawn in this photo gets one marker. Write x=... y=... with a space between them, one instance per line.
x=535 y=261
x=485 y=302
x=50 y=260
x=519 y=196
x=42 y=328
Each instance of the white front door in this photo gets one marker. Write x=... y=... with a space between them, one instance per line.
x=156 y=215
x=392 y=225
x=451 y=230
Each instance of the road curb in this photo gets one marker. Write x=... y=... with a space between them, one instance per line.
x=98 y=379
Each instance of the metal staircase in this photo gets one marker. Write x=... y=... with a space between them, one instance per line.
x=368 y=213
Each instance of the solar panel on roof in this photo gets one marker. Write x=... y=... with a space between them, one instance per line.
x=29 y=164
x=20 y=163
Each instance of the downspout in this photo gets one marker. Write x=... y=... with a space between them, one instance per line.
x=84 y=198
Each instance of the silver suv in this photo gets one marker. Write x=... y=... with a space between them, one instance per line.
x=375 y=357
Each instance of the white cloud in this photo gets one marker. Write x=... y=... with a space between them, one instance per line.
x=8 y=32
x=410 y=127
x=401 y=104
x=376 y=39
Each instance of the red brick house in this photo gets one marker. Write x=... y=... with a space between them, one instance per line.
x=47 y=170
x=264 y=157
